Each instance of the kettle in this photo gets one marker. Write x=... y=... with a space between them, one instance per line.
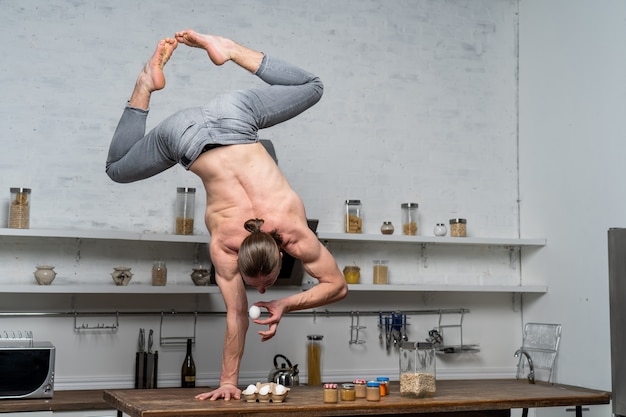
x=286 y=375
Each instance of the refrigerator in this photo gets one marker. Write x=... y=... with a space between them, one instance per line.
x=617 y=306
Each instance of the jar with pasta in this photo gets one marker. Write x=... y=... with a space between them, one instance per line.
x=354 y=219
x=417 y=369
x=19 y=208
x=314 y=359
x=409 y=218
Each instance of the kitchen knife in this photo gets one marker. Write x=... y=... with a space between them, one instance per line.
x=140 y=361
x=149 y=381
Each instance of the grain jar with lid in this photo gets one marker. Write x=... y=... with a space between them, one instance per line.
x=458 y=227
x=185 y=205
x=360 y=388
x=354 y=218
x=19 y=208
x=331 y=394
x=372 y=391
x=417 y=369
x=409 y=218
x=347 y=392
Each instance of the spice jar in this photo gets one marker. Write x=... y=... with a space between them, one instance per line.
x=354 y=220
x=417 y=369
x=372 y=391
x=387 y=228
x=331 y=394
x=458 y=227
x=352 y=274
x=384 y=385
x=347 y=392
x=440 y=229
x=185 y=203
x=314 y=359
x=159 y=273
x=360 y=388
x=409 y=218
x=19 y=208
x=381 y=270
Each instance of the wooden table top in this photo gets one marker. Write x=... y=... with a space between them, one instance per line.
x=452 y=396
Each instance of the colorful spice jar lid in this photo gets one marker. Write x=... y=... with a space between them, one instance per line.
x=330 y=386
x=359 y=382
x=373 y=384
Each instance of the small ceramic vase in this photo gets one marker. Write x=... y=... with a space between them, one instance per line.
x=121 y=275
x=45 y=274
x=200 y=276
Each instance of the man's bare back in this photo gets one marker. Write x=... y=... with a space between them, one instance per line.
x=243 y=182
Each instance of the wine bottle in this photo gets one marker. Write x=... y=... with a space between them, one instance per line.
x=188 y=371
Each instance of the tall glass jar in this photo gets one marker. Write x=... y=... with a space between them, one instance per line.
x=409 y=218
x=380 y=272
x=354 y=219
x=19 y=208
x=185 y=205
x=314 y=359
x=417 y=369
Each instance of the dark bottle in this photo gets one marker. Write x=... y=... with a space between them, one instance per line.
x=188 y=372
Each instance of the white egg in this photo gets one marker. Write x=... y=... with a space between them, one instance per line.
x=255 y=312
x=265 y=389
x=280 y=389
x=250 y=390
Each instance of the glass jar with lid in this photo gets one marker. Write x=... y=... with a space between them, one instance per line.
x=19 y=208
x=458 y=227
x=185 y=205
x=354 y=218
x=387 y=228
x=417 y=369
x=409 y=218
x=314 y=359
x=352 y=274
x=347 y=392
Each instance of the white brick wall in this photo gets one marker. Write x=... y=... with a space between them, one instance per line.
x=420 y=105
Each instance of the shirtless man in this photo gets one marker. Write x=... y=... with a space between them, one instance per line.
x=219 y=143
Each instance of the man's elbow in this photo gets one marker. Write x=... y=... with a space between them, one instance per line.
x=342 y=291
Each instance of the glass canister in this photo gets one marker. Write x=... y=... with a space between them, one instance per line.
x=409 y=218
x=354 y=218
x=185 y=205
x=159 y=273
x=314 y=359
x=381 y=272
x=384 y=385
x=19 y=208
x=352 y=274
x=458 y=227
x=440 y=229
x=417 y=369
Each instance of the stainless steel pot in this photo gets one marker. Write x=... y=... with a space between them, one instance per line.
x=286 y=374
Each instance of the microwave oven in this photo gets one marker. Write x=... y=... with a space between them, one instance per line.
x=27 y=370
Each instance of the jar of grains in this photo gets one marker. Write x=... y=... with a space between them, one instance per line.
x=354 y=219
x=19 y=208
x=458 y=227
x=380 y=272
x=409 y=218
x=314 y=358
x=417 y=369
x=159 y=273
x=185 y=203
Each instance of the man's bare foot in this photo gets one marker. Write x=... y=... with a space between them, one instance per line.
x=152 y=77
x=219 y=49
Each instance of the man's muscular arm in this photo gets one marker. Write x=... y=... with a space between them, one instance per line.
x=236 y=302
